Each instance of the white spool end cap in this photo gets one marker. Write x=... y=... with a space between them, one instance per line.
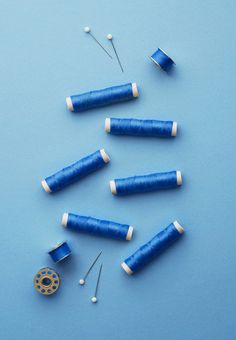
x=69 y=104
x=126 y=268
x=45 y=186
x=129 y=233
x=178 y=227
x=94 y=299
x=108 y=125
x=109 y=36
x=87 y=29
x=179 y=177
x=81 y=282
x=64 y=219
x=105 y=156
x=113 y=187
x=135 y=90
x=174 y=129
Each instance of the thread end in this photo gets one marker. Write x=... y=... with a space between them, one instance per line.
x=113 y=187
x=129 y=233
x=179 y=227
x=105 y=156
x=179 y=177
x=108 y=125
x=64 y=219
x=69 y=104
x=45 y=186
x=135 y=90
x=174 y=129
x=126 y=268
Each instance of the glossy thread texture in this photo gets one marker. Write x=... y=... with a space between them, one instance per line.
x=138 y=127
x=61 y=252
x=154 y=247
x=98 y=98
x=76 y=171
x=162 y=60
x=151 y=182
x=97 y=227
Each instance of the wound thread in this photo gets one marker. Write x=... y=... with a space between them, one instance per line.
x=158 y=244
x=60 y=252
x=97 y=227
x=146 y=183
x=141 y=127
x=161 y=59
x=103 y=97
x=76 y=171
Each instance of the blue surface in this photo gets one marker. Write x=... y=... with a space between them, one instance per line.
x=189 y=293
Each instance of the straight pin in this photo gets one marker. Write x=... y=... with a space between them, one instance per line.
x=88 y=30
x=82 y=281
x=94 y=298
x=110 y=37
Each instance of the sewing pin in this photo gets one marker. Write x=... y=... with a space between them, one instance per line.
x=87 y=29
x=82 y=281
x=110 y=37
x=94 y=298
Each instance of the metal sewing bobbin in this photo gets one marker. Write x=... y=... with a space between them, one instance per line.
x=46 y=281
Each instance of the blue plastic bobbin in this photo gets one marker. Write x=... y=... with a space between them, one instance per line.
x=46 y=281
x=161 y=59
x=60 y=252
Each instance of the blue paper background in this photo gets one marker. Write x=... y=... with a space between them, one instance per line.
x=189 y=292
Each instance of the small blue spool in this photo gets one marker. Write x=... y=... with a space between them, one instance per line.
x=98 y=227
x=161 y=59
x=60 y=252
x=76 y=171
x=147 y=252
x=99 y=98
x=146 y=183
x=141 y=127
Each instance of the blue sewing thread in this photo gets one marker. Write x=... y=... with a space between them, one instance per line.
x=161 y=59
x=138 y=127
x=98 y=98
x=97 y=227
x=151 y=182
x=60 y=252
x=154 y=247
x=76 y=171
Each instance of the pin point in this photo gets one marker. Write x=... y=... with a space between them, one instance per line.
x=94 y=298
x=82 y=281
x=87 y=29
x=110 y=37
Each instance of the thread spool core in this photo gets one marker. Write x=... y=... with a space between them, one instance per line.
x=108 y=125
x=178 y=227
x=64 y=219
x=135 y=90
x=105 y=156
x=69 y=104
x=45 y=186
x=129 y=233
x=179 y=177
x=126 y=268
x=46 y=281
x=174 y=129
x=113 y=187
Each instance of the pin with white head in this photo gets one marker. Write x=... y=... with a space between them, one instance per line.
x=110 y=37
x=83 y=280
x=87 y=29
x=94 y=298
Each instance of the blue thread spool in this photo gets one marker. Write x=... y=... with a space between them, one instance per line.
x=76 y=171
x=146 y=183
x=141 y=127
x=98 y=227
x=60 y=252
x=161 y=59
x=46 y=281
x=103 y=97
x=147 y=252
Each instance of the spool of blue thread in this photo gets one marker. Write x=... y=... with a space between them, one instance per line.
x=103 y=97
x=60 y=252
x=98 y=227
x=146 y=183
x=161 y=59
x=147 y=252
x=76 y=171
x=141 y=127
